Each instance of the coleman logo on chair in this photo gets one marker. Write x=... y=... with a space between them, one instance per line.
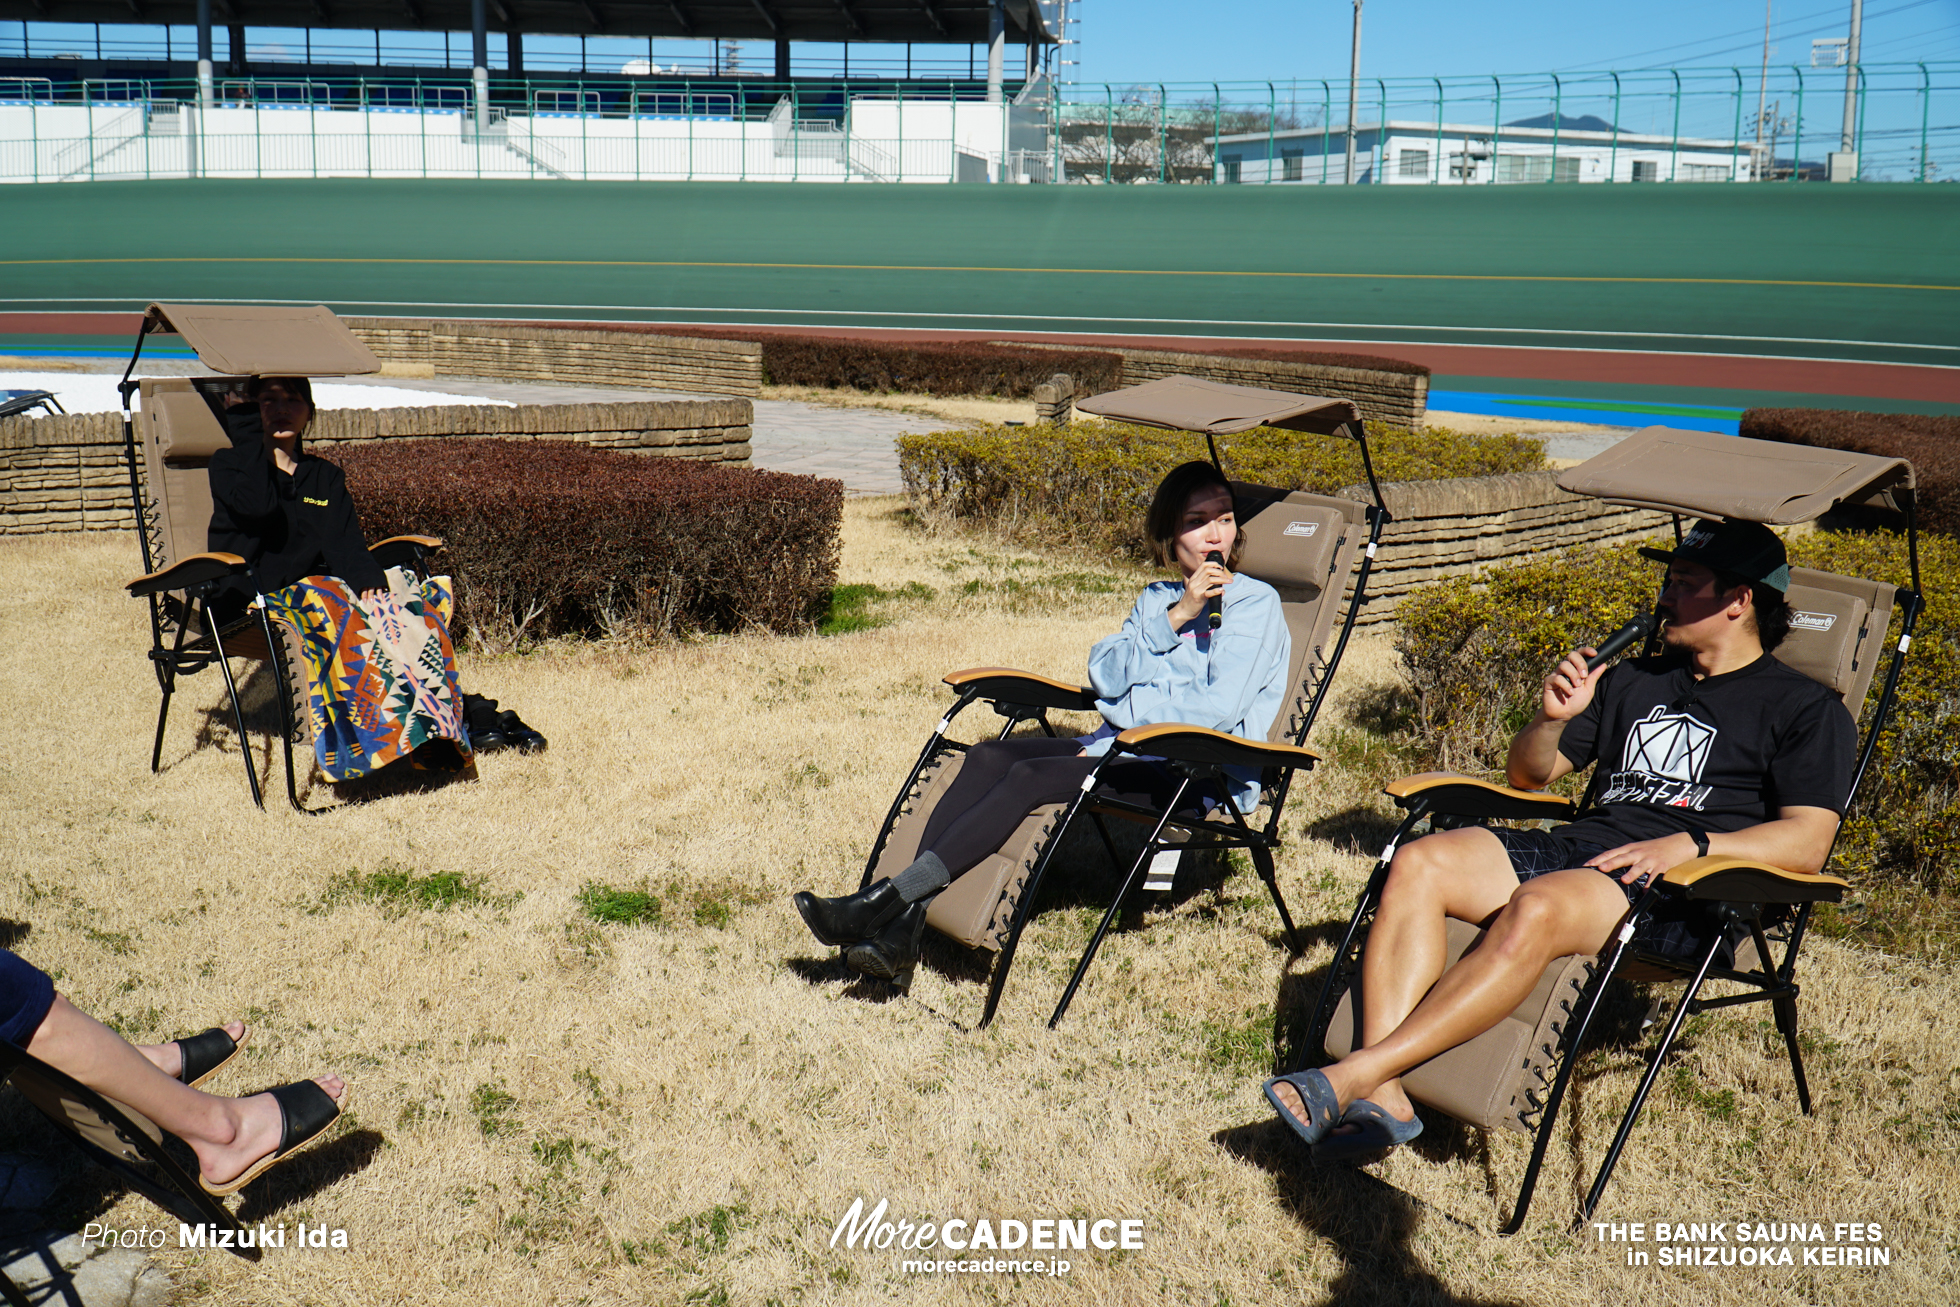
x=1665 y=755
x=1301 y=528
x=1812 y=621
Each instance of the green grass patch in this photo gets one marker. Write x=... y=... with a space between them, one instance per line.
x=707 y=1233
x=859 y=607
x=399 y=890
x=495 y=1110
x=712 y=905
x=620 y=907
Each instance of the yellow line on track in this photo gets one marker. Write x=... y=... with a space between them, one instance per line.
x=1083 y=272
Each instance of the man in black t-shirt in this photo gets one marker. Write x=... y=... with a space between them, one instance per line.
x=1713 y=747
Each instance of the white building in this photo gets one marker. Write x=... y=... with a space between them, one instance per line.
x=1423 y=154
x=662 y=137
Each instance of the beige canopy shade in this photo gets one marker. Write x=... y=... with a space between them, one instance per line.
x=253 y=340
x=1703 y=474
x=1190 y=404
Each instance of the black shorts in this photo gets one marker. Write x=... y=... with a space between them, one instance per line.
x=1674 y=929
x=26 y=994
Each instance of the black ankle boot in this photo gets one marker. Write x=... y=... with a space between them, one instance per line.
x=851 y=918
x=894 y=951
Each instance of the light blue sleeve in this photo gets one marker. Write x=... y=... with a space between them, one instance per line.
x=1147 y=674
x=1135 y=655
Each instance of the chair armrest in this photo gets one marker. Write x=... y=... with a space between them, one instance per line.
x=187 y=572
x=396 y=551
x=1739 y=880
x=1010 y=686
x=1466 y=796
x=1183 y=743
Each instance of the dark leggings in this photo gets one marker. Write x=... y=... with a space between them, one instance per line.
x=1004 y=780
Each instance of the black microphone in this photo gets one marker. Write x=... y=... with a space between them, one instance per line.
x=1638 y=629
x=1213 y=615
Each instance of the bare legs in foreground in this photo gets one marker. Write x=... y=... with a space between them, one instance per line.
x=1413 y=1009
x=227 y=1134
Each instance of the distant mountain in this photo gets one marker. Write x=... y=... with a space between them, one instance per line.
x=1566 y=123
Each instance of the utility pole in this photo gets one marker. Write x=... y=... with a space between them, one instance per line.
x=1848 y=144
x=1762 y=90
x=1354 y=85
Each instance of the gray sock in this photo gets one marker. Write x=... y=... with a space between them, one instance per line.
x=925 y=877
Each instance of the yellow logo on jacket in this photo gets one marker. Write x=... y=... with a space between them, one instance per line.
x=308 y=499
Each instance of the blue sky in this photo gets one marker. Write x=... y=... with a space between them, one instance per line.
x=1179 y=40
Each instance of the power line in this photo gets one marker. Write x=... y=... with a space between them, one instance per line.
x=1932 y=36
x=1642 y=54
x=1781 y=28
x=1737 y=49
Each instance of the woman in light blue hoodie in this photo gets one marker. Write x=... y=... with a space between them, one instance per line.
x=1169 y=663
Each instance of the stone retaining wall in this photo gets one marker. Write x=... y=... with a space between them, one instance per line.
x=516 y=352
x=67 y=473
x=1451 y=528
x=63 y=474
x=1397 y=398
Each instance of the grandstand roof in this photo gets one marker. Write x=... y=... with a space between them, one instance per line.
x=923 y=21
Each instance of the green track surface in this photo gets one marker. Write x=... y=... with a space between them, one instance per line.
x=1866 y=272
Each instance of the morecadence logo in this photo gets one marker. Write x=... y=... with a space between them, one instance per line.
x=875 y=1231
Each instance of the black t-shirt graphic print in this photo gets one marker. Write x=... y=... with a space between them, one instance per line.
x=1719 y=754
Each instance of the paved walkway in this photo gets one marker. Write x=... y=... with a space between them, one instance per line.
x=853 y=445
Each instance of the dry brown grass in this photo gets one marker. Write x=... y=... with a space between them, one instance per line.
x=693 y=1105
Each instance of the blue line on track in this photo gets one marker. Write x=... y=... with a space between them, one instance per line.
x=1553 y=408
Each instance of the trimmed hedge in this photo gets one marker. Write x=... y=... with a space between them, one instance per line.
x=1477 y=648
x=549 y=537
x=1477 y=652
x=1931 y=443
x=1089 y=483
x=923 y=368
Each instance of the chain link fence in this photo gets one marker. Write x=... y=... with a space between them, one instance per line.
x=1878 y=122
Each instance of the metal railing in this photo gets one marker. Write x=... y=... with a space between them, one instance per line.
x=1659 y=125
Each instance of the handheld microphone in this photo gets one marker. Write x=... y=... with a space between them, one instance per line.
x=1213 y=615
x=1638 y=629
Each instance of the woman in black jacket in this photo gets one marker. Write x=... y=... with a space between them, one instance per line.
x=287 y=513
x=383 y=669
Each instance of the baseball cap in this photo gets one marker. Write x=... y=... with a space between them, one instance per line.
x=1749 y=550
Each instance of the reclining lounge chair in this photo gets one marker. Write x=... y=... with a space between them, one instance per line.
x=120 y=1138
x=1516 y=1074
x=1304 y=545
x=168 y=437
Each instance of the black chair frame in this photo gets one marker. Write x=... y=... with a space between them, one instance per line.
x=185 y=638
x=1770 y=908
x=156 y=1175
x=1021 y=699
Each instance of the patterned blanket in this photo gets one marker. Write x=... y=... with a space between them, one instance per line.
x=382 y=671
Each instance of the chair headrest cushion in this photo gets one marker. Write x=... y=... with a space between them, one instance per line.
x=186 y=430
x=1824 y=631
x=1290 y=544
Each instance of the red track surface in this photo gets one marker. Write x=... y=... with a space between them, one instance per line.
x=1938 y=385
